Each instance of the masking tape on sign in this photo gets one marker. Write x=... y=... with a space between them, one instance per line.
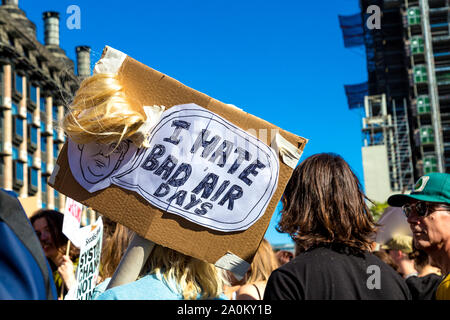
x=233 y=263
x=288 y=152
x=110 y=62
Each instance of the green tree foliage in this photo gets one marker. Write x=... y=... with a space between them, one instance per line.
x=377 y=209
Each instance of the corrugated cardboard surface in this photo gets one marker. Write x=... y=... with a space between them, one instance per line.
x=151 y=87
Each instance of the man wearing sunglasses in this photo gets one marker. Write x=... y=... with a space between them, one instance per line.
x=427 y=209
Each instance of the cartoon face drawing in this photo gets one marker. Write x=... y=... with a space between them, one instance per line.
x=99 y=161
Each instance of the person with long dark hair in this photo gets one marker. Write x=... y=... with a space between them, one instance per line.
x=48 y=227
x=325 y=213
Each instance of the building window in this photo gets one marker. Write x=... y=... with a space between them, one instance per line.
x=33 y=94
x=55 y=150
x=44 y=144
x=30 y=160
x=42 y=126
x=14 y=108
x=19 y=83
x=15 y=153
x=43 y=167
x=33 y=180
x=44 y=183
x=17 y=129
x=55 y=113
x=56 y=200
x=29 y=117
x=32 y=175
x=33 y=134
x=18 y=173
x=44 y=191
x=32 y=138
x=42 y=104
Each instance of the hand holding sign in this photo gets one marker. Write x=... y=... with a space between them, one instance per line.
x=66 y=271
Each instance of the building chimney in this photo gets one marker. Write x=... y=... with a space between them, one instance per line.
x=12 y=7
x=83 y=61
x=14 y=3
x=51 y=28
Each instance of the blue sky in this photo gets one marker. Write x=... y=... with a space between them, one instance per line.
x=283 y=61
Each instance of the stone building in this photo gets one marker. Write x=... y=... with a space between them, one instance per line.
x=37 y=81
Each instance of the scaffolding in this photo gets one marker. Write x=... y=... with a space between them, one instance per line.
x=392 y=131
x=427 y=45
x=403 y=155
x=408 y=61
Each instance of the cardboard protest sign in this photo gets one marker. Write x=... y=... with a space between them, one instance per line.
x=206 y=186
x=89 y=261
x=72 y=221
x=200 y=174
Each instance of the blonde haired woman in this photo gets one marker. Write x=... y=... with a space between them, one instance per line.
x=170 y=275
x=254 y=283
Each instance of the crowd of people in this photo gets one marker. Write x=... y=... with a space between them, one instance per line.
x=325 y=212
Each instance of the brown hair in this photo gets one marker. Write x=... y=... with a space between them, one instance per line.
x=386 y=258
x=264 y=262
x=116 y=238
x=323 y=204
x=55 y=220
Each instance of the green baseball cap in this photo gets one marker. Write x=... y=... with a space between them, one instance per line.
x=433 y=187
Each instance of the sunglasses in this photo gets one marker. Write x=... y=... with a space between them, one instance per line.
x=423 y=208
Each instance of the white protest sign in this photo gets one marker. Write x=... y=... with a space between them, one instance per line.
x=198 y=166
x=89 y=261
x=72 y=221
